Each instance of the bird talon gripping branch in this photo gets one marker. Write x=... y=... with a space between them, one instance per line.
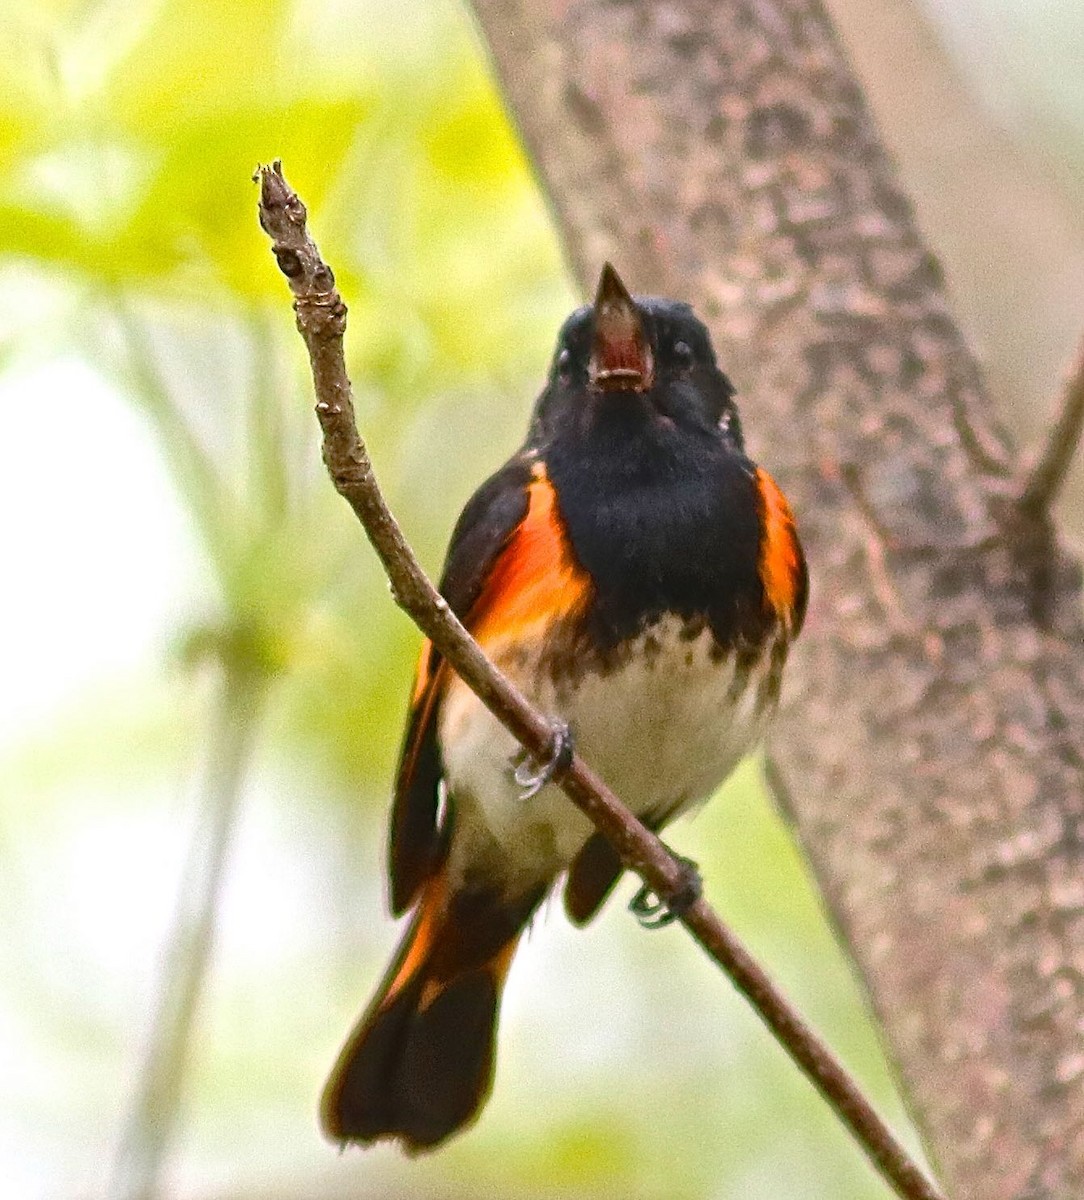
x=532 y=778
x=654 y=912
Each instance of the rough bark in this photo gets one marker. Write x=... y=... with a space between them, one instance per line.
x=1011 y=239
x=930 y=752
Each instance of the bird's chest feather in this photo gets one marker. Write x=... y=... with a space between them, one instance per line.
x=665 y=671
x=663 y=722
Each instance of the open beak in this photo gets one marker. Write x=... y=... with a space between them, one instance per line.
x=620 y=353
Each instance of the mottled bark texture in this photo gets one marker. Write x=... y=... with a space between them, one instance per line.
x=930 y=751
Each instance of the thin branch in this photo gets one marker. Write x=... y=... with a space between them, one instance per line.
x=1046 y=476
x=321 y=320
x=155 y=1108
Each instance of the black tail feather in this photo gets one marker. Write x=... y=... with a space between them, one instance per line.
x=419 y=1065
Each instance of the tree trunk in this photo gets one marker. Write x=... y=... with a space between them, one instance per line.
x=930 y=751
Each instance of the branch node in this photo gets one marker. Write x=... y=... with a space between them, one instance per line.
x=1046 y=474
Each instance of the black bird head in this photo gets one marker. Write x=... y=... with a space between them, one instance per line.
x=637 y=359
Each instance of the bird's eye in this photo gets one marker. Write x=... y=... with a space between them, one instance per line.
x=564 y=360
x=683 y=354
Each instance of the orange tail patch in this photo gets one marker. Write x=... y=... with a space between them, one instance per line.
x=419 y=1065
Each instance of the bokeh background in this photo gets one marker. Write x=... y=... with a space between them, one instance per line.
x=204 y=677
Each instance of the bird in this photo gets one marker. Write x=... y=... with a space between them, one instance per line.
x=641 y=580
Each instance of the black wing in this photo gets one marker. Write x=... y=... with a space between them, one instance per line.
x=488 y=521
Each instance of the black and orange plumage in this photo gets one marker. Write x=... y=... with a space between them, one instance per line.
x=640 y=579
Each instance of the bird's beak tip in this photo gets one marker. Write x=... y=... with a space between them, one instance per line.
x=620 y=353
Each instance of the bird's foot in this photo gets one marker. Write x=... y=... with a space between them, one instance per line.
x=654 y=912
x=532 y=777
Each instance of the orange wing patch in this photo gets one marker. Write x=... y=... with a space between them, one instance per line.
x=424 y=675
x=536 y=578
x=781 y=565
x=427 y=688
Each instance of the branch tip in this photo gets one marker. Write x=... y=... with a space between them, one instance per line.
x=275 y=192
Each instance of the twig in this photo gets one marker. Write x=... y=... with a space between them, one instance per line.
x=321 y=320
x=1047 y=474
x=152 y=1120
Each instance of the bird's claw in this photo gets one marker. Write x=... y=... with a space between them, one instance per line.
x=531 y=777
x=654 y=912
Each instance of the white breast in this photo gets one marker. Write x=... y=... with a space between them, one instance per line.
x=663 y=728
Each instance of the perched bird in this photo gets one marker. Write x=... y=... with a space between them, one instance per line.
x=640 y=579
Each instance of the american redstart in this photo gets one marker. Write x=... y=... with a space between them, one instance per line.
x=640 y=579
